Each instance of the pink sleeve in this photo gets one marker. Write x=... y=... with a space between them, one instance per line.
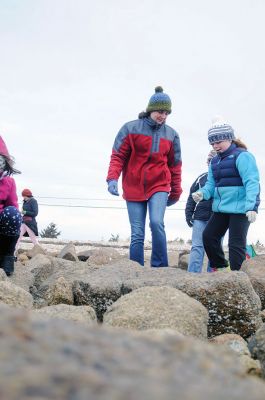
x=12 y=199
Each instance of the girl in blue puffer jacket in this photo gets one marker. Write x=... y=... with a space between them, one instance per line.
x=233 y=183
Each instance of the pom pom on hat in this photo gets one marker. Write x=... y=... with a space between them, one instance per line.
x=159 y=101
x=26 y=193
x=220 y=130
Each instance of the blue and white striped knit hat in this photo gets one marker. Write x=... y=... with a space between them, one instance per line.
x=220 y=131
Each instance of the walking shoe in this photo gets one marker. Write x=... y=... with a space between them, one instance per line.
x=222 y=269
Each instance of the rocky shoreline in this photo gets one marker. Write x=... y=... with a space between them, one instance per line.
x=79 y=320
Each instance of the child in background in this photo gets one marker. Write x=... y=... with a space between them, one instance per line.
x=29 y=211
x=197 y=216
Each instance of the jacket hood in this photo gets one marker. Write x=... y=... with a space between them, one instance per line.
x=3 y=148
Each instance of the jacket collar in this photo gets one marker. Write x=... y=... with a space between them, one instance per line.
x=228 y=151
x=153 y=125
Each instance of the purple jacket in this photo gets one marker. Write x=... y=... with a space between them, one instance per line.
x=8 y=193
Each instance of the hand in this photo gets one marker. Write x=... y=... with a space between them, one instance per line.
x=113 y=187
x=170 y=202
x=172 y=199
x=189 y=222
x=251 y=216
x=23 y=212
x=197 y=196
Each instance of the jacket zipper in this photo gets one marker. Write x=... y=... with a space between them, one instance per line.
x=145 y=172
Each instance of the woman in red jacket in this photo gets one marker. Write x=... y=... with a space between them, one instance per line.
x=10 y=217
x=147 y=153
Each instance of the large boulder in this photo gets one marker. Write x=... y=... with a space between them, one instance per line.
x=14 y=295
x=232 y=303
x=159 y=308
x=54 y=359
x=255 y=269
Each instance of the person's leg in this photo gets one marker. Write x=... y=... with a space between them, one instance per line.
x=197 y=249
x=32 y=235
x=137 y=216
x=22 y=231
x=212 y=239
x=237 y=241
x=156 y=207
x=10 y=223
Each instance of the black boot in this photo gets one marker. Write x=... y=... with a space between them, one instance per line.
x=7 y=248
x=8 y=264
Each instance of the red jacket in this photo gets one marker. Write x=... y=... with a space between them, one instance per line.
x=149 y=157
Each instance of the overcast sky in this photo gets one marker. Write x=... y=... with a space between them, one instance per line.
x=72 y=72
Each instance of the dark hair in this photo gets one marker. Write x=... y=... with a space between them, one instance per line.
x=9 y=168
x=144 y=114
x=239 y=143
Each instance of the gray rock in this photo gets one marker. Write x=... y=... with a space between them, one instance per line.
x=255 y=269
x=83 y=314
x=232 y=303
x=36 y=249
x=173 y=259
x=3 y=276
x=234 y=342
x=14 y=295
x=68 y=252
x=42 y=267
x=238 y=345
x=104 y=256
x=22 y=277
x=184 y=260
x=159 y=308
x=57 y=292
x=55 y=360
x=257 y=347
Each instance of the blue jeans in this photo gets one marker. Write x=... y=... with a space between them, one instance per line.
x=197 y=250
x=137 y=215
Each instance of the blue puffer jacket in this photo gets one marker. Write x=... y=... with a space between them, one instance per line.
x=233 y=182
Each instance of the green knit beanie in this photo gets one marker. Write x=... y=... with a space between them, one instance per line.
x=159 y=101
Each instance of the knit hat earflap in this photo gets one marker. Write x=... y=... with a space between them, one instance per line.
x=160 y=101
x=220 y=131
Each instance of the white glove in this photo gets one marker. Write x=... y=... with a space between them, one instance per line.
x=251 y=216
x=197 y=196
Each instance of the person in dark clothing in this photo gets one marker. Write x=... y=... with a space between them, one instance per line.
x=10 y=217
x=29 y=211
x=233 y=183
x=197 y=216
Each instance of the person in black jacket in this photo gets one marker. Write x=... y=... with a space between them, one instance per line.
x=197 y=216
x=29 y=212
